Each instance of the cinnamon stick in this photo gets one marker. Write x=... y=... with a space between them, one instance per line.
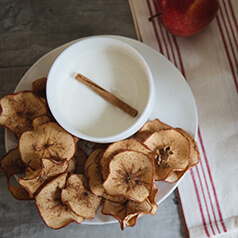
x=107 y=95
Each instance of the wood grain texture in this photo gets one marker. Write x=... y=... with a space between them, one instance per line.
x=28 y=30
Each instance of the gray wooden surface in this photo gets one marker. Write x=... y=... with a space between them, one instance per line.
x=28 y=30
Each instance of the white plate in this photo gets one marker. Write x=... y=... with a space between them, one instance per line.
x=174 y=102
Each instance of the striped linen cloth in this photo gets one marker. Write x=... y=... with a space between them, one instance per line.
x=209 y=62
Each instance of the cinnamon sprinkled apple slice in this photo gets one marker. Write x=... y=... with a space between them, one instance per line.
x=39 y=121
x=172 y=150
x=48 y=141
x=117 y=147
x=49 y=169
x=78 y=197
x=53 y=212
x=95 y=182
x=194 y=153
x=126 y=213
x=150 y=127
x=93 y=157
x=80 y=158
x=18 y=110
x=39 y=87
x=10 y=165
x=151 y=199
x=131 y=175
x=194 y=158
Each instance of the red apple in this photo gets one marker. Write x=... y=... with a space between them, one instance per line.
x=186 y=17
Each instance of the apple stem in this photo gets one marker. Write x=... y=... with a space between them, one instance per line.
x=156 y=15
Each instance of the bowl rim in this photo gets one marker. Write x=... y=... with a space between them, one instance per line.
x=124 y=133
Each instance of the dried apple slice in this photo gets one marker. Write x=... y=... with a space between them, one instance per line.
x=131 y=175
x=194 y=153
x=126 y=213
x=131 y=220
x=39 y=87
x=151 y=199
x=19 y=193
x=80 y=159
x=78 y=197
x=31 y=173
x=175 y=176
x=115 y=148
x=172 y=150
x=19 y=109
x=48 y=141
x=135 y=210
x=72 y=166
x=53 y=212
x=194 y=158
x=10 y=165
x=150 y=127
x=49 y=169
x=40 y=121
x=93 y=156
x=95 y=182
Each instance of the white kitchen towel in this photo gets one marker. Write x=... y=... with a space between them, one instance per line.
x=209 y=62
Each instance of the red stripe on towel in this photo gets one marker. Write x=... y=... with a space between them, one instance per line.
x=209 y=194
x=201 y=141
x=156 y=33
x=163 y=33
x=229 y=21
x=212 y=183
x=205 y=201
x=228 y=35
x=232 y=14
x=227 y=53
x=179 y=56
x=181 y=209
x=199 y=202
x=172 y=49
x=163 y=39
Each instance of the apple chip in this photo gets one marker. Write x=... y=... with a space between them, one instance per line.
x=72 y=166
x=19 y=193
x=95 y=182
x=49 y=169
x=172 y=150
x=19 y=109
x=31 y=173
x=130 y=175
x=194 y=158
x=93 y=156
x=10 y=165
x=131 y=220
x=126 y=213
x=124 y=145
x=80 y=159
x=151 y=199
x=39 y=87
x=150 y=127
x=77 y=196
x=53 y=212
x=194 y=153
x=48 y=141
x=40 y=121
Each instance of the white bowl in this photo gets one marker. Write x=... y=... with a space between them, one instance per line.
x=115 y=66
